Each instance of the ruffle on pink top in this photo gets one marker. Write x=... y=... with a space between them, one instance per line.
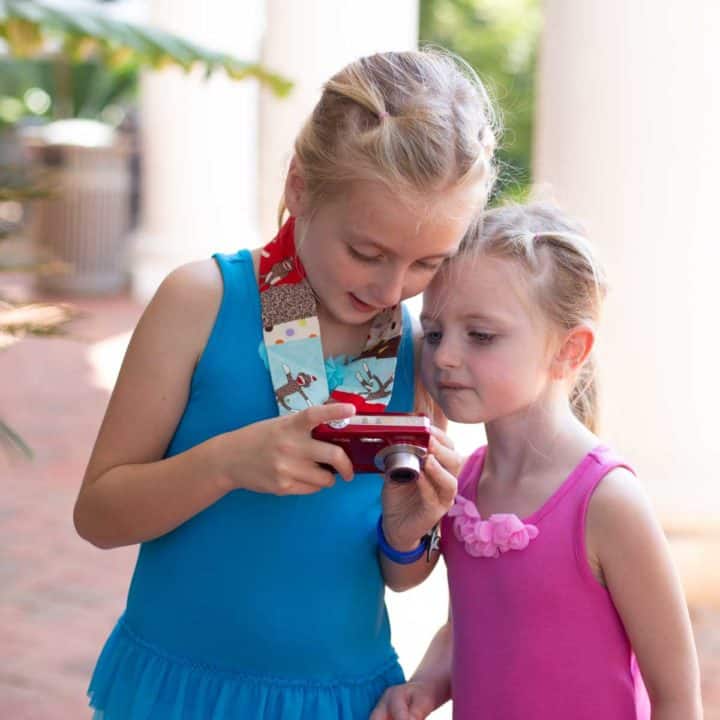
x=488 y=538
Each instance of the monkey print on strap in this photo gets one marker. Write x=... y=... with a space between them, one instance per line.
x=291 y=333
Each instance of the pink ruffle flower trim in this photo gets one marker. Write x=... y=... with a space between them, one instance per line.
x=488 y=538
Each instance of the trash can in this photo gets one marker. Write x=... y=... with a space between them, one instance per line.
x=84 y=224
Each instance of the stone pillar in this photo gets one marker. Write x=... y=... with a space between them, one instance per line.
x=199 y=145
x=627 y=138
x=308 y=42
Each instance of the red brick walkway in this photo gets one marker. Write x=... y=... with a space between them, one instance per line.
x=59 y=597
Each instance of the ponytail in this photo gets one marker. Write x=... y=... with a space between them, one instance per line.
x=584 y=396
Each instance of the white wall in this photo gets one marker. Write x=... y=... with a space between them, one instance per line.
x=627 y=136
x=199 y=145
x=308 y=42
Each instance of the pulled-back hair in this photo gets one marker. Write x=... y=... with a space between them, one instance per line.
x=568 y=281
x=417 y=121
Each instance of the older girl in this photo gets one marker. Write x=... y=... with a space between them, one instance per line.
x=258 y=593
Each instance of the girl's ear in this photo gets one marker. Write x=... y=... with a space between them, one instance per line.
x=296 y=196
x=574 y=351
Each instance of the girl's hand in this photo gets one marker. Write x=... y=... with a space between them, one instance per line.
x=409 y=701
x=280 y=457
x=411 y=509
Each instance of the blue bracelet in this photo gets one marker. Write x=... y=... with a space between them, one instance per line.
x=403 y=558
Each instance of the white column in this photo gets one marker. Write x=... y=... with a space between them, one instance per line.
x=199 y=144
x=627 y=137
x=309 y=41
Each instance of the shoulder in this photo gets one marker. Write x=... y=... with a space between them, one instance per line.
x=185 y=305
x=618 y=495
x=200 y=279
x=620 y=514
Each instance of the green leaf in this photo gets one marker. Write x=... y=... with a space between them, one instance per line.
x=23 y=37
x=13 y=442
x=27 y=25
x=164 y=45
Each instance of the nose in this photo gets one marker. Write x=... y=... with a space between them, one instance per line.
x=388 y=290
x=446 y=353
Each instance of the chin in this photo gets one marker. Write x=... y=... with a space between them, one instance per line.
x=349 y=316
x=466 y=418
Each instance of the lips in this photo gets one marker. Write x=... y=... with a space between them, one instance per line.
x=451 y=386
x=362 y=306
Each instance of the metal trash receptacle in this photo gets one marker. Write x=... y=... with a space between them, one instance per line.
x=84 y=224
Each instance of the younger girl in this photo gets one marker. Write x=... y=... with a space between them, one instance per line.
x=559 y=573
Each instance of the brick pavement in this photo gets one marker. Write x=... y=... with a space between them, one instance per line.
x=59 y=597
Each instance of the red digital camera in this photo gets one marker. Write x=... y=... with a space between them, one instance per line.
x=394 y=444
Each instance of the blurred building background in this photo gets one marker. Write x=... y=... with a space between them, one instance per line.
x=608 y=107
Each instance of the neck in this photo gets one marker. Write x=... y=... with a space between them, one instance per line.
x=537 y=438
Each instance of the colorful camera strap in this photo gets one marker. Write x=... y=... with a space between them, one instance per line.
x=293 y=344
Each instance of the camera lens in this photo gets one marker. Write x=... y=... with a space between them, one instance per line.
x=403 y=475
x=402 y=466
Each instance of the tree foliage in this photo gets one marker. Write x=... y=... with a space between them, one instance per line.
x=60 y=52
x=29 y=27
x=499 y=39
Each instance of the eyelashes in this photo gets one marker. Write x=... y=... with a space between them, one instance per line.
x=482 y=338
x=434 y=337
x=375 y=259
x=370 y=259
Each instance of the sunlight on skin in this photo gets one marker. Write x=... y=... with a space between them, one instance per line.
x=415 y=616
x=105 y=358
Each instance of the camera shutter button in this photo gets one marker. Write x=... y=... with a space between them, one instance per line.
x=339 y=424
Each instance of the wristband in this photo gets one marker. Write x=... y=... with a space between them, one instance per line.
x=403 y=558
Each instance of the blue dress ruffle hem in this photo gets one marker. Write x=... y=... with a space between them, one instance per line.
x=135 y=679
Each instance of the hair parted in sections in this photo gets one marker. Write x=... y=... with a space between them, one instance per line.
x=566 y=276
x=417 y=121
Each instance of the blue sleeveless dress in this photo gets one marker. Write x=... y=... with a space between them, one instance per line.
x=260 y=606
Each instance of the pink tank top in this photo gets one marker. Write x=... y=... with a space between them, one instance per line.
x=535 y=635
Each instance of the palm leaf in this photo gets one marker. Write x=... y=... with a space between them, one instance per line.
x=19 y=183
x=27 y=26
x=35 y=319
x=13 y=441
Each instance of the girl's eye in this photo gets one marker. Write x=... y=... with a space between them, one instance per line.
x=432 y=337
x=482 y=338
x=428 y=266
x=364 y=258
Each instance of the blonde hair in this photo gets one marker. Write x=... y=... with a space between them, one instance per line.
x=418 y=121
x=568 y=279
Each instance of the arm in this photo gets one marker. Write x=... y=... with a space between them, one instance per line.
x=411 y=510
x=626 y=540
x=130 y=493
x=429 y=687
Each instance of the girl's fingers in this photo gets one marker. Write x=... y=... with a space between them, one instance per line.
x=442 y=436
x=447 y=457
x=313 y=416
x=313 y=474
x=380 y=712
x=443 y=482
x=333 y=456
x=300 y=488
x=400 y=706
